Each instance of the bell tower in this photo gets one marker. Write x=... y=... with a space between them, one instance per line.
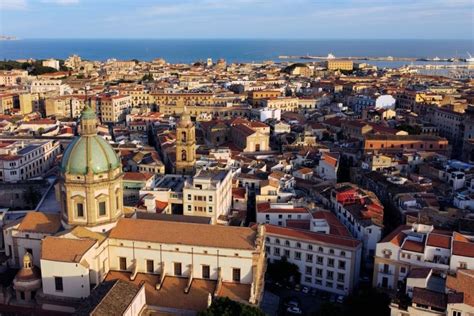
x=185 y=144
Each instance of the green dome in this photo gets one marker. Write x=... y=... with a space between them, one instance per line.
x=89 y=153
x=88 y=113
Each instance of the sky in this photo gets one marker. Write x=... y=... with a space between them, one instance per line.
x=318 y=19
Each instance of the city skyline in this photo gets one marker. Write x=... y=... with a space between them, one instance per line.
x=204 y=19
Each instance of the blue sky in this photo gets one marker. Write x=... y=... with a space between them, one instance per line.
x=419 y=19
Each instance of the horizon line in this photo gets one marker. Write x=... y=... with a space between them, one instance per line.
x=234 y=38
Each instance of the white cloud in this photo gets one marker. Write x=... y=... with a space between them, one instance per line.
x=13 y=4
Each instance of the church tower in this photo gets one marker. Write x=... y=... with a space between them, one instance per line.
x=185 y=144
x=90 y=186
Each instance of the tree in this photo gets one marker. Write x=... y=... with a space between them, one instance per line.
x=328 y=308
x=148 y=77
x=283 y=271
x=223 y=306
x=357 y=304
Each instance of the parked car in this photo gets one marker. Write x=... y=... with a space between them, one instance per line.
x=297 y=287
x=294 y=310
x=305 y=290
x=314 y=292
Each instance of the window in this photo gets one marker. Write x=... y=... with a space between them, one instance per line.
x=298 y=245
x=319 y=260
x=286 y=253
x=150 y=267
x=277 y=241
x=462 y=265
x=287 y=243
x=276 y=251
x=210 y=198
x=58 y=284
x=22 y=295
x=189 y=208
x=310 y=247
x=189 y=197
x=340 y=277
x=320 y=249
x=177 y=268
x=329 y=275
x=308 y=279
x=403 y=269
x=102 y=208
x=309 y=270
x=319 y=272
x=342 y=264
x=298 y=255
x=123 y=263
x=331 y=262
x=206 y=272
x=210 y=208
x=80 y=210
x=236 y=275
x=309 y=257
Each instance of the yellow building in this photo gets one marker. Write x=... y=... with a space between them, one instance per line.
x=185 y=145
x=90 y=186
x=6 y=103
x=26 y=103
x=113 y=109
x=339 y=64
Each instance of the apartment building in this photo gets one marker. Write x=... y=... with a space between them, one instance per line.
x=209 y=194
x=69 y=106
x=6 y=102
x=420 y=246
x=113 y=109
x=327 y=257
x=25 y=159
x=362 y=213
x=258 y=97
x=278 y=214
x=285 y=104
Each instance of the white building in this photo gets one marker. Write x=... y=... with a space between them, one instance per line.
x=25 y=159
x=209 y=194
x=362 y=213
x=420 y=246
x=327 y=256
x=53 y=63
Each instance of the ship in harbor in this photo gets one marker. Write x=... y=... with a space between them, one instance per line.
x=470 y=59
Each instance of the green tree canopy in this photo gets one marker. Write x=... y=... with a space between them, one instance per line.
x=223 y=306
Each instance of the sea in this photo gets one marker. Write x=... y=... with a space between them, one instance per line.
x=232 y=50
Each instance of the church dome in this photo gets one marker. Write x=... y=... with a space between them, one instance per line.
x=89 y=152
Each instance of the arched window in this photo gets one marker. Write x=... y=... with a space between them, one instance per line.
x=183 y=155
x=183 y=136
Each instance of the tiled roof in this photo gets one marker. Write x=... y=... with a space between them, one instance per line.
x=265 y=207
x=429 y=298
x=411 y=245
x=465 y=249
x=185 y=233
x=137 y=176
x=39 y=222
x=65 y=249
x=312 y=236
x=440 y=241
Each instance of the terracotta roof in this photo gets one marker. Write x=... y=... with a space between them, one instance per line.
x=462 y=282
x=440 y=241
x=171 y=294
x=465 y=249
x=265 y=207
x=239 y=193
x=185 y=233
x=430 y=298
x=397 y=236
x=235 y=291
x=335 y=226
x=65 y=249
x=39 y=222
x=312 y=236
x=415 y=246
x=137 y=176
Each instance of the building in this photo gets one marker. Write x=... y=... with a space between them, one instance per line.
x=400 y=143
x=52 y=63
x=183 y=266
x=339 y=64
x=6 y=102
x=113 y=109
x=25 y=159
x=257 y=98
x=362 y=213
x=420 y=246
x=209 y=194
x=185 y=145
x=327 y=257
